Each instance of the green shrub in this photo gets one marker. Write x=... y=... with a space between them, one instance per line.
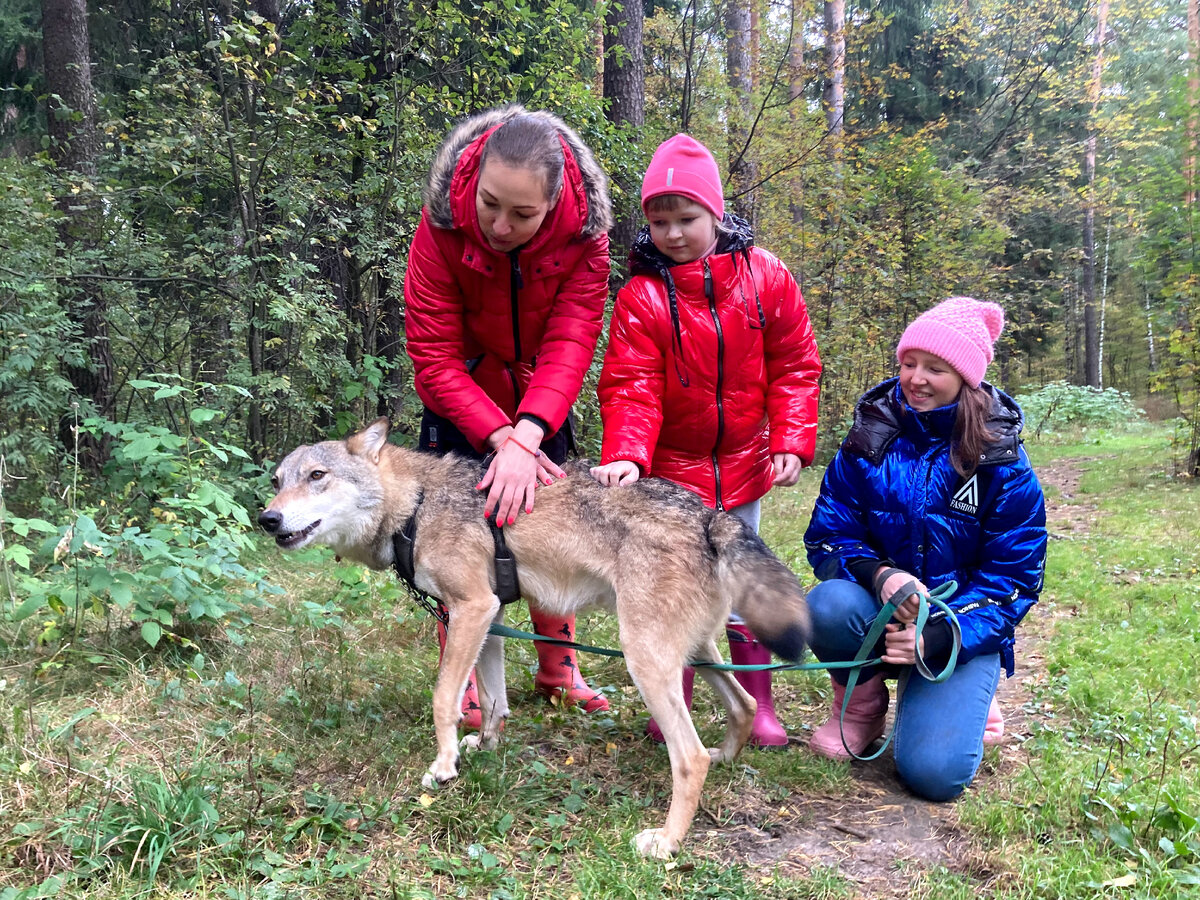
x=1060 y=405
x=163 y=543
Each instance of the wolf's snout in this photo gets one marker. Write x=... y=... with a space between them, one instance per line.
x=270 y=520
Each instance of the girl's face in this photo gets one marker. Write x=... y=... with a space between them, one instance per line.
x=928 y=381
x=511 y=204
x=684 y=233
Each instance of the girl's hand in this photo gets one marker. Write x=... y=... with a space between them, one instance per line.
x=622 y=471
x=900 y=645
x=787 y=469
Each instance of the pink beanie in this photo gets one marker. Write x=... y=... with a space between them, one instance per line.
x=961 y=330
x=682 y=165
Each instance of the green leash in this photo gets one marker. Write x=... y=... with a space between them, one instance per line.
x=935 y=597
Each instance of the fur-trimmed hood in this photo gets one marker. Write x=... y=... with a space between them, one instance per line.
x=594 y=183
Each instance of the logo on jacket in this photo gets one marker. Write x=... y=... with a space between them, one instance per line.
x=966 y=499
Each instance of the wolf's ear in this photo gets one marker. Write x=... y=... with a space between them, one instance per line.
x=369 y=442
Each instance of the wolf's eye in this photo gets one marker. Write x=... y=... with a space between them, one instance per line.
x=275 y=482
x=316 y=475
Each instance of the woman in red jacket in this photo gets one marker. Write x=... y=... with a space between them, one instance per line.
x=505 y=290
x=711 y=374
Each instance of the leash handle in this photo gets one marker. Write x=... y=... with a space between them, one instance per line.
x=935 y=597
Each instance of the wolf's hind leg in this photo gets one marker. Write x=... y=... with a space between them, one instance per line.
x=658 y=674
x=739 y=705
x=493 y=694
x=468 y=629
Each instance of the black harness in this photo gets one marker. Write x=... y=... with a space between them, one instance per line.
x=508 y=586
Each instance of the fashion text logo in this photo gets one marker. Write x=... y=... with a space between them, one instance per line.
x=966 y=500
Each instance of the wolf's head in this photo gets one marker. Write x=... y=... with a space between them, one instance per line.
x=329 y=493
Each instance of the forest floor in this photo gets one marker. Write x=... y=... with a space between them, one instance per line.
x=882 y=838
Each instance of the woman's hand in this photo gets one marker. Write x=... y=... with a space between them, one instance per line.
x=900 y=645
x=908 y=606
x=622 y=471
x=516 y=468
x=787 y=469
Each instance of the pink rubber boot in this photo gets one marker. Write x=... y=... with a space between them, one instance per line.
x=862 y=726
x=745 y=650
x=689 y=680
x=558 y=666
x=994 y=730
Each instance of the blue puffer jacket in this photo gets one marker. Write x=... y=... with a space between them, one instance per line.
x=892 y=493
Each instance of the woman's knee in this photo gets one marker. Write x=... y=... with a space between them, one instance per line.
x=831 y=604
x=936 y=772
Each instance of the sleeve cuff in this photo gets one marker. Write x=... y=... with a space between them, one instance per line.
x=863 y=570
x=538 y=421
x=938 y=639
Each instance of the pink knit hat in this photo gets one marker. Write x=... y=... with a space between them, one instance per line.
x=961 y=330
x=682 y=165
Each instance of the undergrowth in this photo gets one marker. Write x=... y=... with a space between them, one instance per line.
x=287 y=762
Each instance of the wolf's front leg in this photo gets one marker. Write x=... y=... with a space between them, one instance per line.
x=464 y=637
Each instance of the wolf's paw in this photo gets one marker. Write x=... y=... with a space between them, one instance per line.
x=470 y=741
x=718 y=755
x=653 y=843
x=439 y=773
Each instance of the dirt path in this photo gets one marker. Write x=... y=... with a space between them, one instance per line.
x=880 y=837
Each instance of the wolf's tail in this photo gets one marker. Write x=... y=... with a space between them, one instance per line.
x=765 y=592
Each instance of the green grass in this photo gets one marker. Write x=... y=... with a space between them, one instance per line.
x=288 y=764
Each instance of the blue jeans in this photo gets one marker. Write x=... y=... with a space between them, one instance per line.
x=938 y=738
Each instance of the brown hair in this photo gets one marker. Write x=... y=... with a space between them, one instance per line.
x=971 y=434
x=529 y=142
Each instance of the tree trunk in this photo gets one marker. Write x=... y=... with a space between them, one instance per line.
x=75 y=148
x=835 y=71
x=1091 y=335
x=739 y=70
x=625 y=104
x=796 y=105
x=1193 y=100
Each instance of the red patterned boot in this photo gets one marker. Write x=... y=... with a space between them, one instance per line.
x=471 y=713
x=745 y=650
x=558 y=667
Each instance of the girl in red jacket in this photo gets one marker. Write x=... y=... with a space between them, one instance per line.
x=711 y=374
x=505 y=289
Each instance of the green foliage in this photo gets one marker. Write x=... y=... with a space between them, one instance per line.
x=161 y=819
x=164 y=546
x=1059 y=406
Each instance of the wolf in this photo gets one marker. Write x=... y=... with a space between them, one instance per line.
x=669 y=567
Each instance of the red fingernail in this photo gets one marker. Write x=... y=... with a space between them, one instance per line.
x=511 y=519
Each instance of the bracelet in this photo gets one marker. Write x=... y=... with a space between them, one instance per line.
x=512 y=440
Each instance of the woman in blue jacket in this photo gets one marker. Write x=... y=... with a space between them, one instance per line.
x=931 y=485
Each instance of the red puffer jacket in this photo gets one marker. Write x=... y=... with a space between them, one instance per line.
x=703 y=390
x=494 y=336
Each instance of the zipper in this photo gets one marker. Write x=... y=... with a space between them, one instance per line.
x=515 y=283
x=711 y=296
